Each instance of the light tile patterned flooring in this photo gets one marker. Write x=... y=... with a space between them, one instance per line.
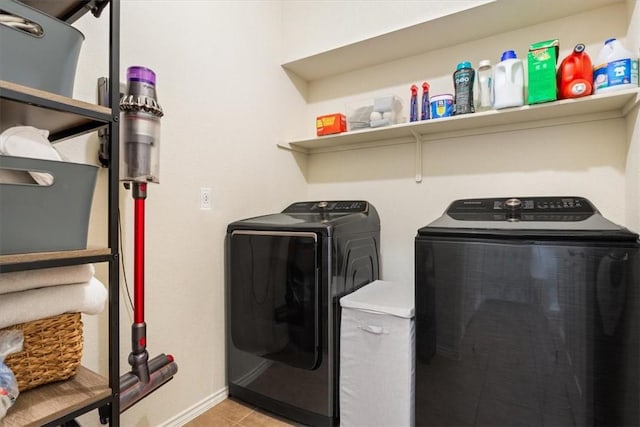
x=235 y=413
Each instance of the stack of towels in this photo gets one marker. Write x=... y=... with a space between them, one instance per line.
x=31 y=295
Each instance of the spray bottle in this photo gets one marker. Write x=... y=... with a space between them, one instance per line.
x=413 y=105
x=425 y=111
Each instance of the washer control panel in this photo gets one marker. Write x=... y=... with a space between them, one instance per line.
x=564 y=209
x=341 y=206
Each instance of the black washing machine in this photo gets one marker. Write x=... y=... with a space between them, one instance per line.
x=285 y=273
x=527 y=313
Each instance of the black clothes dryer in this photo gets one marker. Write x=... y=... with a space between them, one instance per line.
x=527 y=313
x=285 y=273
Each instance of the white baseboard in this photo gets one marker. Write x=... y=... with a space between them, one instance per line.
x=197 y=409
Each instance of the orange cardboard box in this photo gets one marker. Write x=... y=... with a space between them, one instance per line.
x=331 y=123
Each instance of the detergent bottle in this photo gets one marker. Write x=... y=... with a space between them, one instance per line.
x=508 y=81
x=463 y=81
x=615 y=68
x=575 y=74
x=485 y=85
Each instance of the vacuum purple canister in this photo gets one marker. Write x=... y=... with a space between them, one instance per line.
x=141 y=127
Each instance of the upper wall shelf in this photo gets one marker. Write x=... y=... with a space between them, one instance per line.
x=596 y=107
x=63 y=117
x=475 y=23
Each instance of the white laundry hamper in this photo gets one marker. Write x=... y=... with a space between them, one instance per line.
x=377 y=356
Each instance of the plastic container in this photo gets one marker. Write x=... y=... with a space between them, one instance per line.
x=508 y=81
x=615 y=68
x=463 y=81
x=424 y=108
x=441 y=106
x=40 y=51
x=413 y=104
x=542 y=85
x=40 y=218
x=485 y=85
x=575 y=74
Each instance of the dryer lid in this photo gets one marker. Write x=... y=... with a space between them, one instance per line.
x=527 y=217
x=327 y=217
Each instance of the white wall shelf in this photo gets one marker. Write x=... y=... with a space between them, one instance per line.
x=595 y=107
x=498 y=16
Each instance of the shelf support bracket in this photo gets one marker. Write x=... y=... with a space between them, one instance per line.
x=418 y=156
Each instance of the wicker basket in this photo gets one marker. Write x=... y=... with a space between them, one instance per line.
x=52 y=350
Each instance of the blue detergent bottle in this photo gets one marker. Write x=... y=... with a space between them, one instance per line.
x=425 y=111
x=413 y=106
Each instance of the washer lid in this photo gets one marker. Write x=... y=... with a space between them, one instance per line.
x=382 y=297
x=527 y=217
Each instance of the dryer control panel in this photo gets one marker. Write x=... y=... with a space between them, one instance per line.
x=341 y=206
x=543 y=209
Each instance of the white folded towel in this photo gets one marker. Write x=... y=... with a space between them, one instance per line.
x=32 y=279
x=28 y=141
x=34 y=304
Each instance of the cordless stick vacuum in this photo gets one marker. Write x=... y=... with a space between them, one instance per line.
x=141 y=124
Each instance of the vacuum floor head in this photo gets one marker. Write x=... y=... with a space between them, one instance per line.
x=162 y=368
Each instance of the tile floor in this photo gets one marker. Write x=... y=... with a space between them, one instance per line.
x=234 y=413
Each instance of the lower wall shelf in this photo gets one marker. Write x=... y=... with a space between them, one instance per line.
x=604 y=106
x=47 y=403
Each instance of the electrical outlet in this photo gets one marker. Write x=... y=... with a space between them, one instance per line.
x=205 y=198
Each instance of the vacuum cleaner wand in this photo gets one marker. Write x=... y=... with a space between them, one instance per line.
x=145 y=376
x=139 y=357
x=142 y=118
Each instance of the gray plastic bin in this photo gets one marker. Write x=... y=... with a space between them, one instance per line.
x=36 y=218
x=47 y=61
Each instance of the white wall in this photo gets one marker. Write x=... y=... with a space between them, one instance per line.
x=226 y=103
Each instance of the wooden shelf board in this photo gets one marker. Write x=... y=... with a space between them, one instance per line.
x=49 y=402
x=48 y=256
x=21 y=105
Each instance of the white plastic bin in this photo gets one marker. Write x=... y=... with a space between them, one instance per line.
x=377 y=363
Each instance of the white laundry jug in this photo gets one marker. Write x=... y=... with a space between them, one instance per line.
x=615 y=68
x=508 y=81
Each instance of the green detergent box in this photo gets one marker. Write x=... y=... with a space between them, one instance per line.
x=541 y=71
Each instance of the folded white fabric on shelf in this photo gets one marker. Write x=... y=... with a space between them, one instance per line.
x=32 y=279
x=34 y=304
x=28 y=141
